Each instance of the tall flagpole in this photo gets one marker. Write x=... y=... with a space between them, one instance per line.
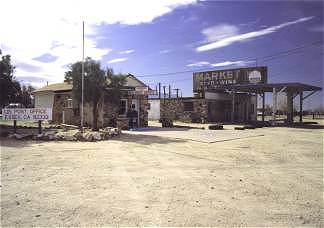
x=82 y=83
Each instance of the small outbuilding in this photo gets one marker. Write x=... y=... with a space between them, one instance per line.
x=134 y=95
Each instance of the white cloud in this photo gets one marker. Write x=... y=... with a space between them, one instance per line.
x=230 y=63
x=228 y=40
x=117 y=60
x=127 y=51
x=55 y=28
x=165 y=51
x=219 y=32
x=220 y=64
x=199 y=64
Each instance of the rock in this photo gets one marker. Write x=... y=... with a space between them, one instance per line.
x=70 y=135
x=87 y=136
x=249 y=126
x=20 y=136
x=109 y=132
x=93 y=136
x=96 y=136
x=4 y=134
x=215 y=127
x=166 y=122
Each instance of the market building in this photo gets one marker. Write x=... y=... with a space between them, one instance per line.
x=134 y=95
x=229 y=95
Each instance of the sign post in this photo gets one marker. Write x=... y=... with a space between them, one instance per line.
x=39 y=127
x=27 y=114
x=15 y=126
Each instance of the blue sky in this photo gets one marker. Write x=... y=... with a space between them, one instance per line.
x=154 y=37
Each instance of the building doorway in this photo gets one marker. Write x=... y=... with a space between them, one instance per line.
x=135 y=106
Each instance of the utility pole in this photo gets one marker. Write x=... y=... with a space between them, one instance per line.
x=82 y=83
x=164 y=92
x=159 y=90
x=177 y=89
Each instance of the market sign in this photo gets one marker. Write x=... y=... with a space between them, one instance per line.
x=210 y=80
x=27 y=114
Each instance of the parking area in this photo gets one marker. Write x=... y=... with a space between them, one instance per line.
x=151 y=178
x=198 y=135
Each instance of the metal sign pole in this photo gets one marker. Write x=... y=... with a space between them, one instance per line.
x=39 y=127
x=82 y=83
x=15 y=126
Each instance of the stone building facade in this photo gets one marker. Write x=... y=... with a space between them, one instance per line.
x=184 y=109
x=66 y=110
x=214 y=107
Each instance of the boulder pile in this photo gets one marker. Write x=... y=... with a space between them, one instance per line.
x=71 y=135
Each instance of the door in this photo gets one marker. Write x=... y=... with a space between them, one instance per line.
x=135 y=104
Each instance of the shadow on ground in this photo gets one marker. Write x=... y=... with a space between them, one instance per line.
x=7 y=142
x=307 y=126
x=146 y=139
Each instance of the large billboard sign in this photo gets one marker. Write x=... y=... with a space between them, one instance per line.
x=27 y=114
x=210 y=80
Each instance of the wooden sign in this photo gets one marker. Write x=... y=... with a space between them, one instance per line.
x=27 y=114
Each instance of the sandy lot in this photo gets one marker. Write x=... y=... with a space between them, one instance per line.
x=273 y=179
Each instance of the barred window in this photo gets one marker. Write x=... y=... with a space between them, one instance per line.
x=122 y=107
x=188 y=106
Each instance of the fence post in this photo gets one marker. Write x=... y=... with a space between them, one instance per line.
x=15 y=126
x=39 y=127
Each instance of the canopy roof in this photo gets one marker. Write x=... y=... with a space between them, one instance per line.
x=268 y=87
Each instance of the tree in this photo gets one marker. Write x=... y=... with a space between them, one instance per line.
x=114 y=85
x=9 y=87
x=94 y=84
x=25 y=96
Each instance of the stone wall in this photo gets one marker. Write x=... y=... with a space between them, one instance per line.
x=174 y=109
x=143 y=112
x=107 y=112
x=60 y=101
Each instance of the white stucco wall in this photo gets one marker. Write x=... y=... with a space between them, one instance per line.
x=154 y=111
x=217 y=96
x=44 y=100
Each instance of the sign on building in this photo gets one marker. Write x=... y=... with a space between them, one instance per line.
x=27 y=114
x=141 y=90
x=210 y=80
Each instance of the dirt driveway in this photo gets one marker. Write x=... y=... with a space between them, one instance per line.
x=145 y=180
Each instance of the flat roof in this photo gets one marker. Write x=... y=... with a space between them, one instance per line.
x=268 y=87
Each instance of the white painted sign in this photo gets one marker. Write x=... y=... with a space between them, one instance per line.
x=255 y=76
x=141 y=88
x=27 y=114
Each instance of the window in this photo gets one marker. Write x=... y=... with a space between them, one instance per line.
x=188 y=106
x=148 y=106
x=69 y=103
x=122 y=107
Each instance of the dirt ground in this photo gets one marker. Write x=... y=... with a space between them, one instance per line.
x=273 y=179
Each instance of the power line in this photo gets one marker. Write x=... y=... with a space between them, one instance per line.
x=273 y=75
x=266 y=58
